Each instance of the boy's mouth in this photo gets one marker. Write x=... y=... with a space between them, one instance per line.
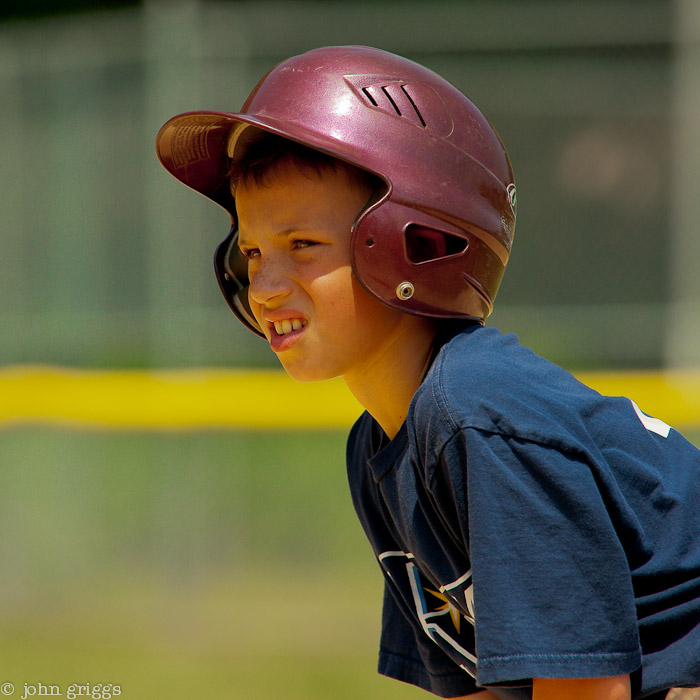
x=286 y=333
x=289 y=325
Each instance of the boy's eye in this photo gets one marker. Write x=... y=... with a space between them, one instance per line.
x=249 y=253
x=302 y=243
x=299 y=244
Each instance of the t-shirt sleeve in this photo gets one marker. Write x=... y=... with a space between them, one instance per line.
x=553 y=591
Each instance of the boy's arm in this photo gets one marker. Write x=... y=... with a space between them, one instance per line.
x=617 y=688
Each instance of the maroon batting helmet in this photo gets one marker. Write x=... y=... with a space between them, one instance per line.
x=437 y=241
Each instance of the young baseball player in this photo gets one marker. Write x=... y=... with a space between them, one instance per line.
x=536 y=539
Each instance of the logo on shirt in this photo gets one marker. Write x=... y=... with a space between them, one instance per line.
x=447 y=607
x=441 y=610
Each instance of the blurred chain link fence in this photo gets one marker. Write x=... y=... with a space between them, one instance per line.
x=108 y=259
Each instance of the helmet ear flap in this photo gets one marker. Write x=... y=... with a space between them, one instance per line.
x=396 y=248
x=231 y=270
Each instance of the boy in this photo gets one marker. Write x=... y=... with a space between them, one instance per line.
x=536 y=539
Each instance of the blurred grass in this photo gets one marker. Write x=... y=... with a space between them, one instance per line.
x=226 y=565
x=301 y=639
x=179 y=565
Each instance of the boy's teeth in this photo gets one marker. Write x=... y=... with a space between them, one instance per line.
x=287 y=326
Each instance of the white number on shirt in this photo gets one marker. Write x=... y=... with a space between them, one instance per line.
x=653 y=425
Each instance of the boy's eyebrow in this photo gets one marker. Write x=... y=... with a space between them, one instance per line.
x=284 y=233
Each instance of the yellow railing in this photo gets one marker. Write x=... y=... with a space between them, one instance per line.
x=228 y=398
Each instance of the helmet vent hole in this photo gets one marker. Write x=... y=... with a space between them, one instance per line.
x=385 y=90
x=427 y=244
x=413 y=104
x=368 y=95
x=394 y=97
x=369 y=242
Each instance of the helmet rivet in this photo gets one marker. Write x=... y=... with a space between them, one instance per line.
x=405 y=291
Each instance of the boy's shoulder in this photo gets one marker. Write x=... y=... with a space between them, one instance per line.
x=487 y=380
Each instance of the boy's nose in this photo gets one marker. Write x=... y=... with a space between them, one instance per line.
x=269 y=282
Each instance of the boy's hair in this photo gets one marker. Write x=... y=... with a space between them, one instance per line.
x=268 y=153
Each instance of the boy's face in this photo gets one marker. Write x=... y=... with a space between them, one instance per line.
x=295 y=232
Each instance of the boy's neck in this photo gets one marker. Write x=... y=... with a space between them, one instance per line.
x=386 y=387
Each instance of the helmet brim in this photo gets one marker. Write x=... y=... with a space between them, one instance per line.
x=199 y=148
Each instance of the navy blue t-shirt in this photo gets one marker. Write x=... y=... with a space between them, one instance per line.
x=529 y=527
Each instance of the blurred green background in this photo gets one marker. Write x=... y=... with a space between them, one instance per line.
x=229 y=564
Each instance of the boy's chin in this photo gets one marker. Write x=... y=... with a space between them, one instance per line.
x=305 y=374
